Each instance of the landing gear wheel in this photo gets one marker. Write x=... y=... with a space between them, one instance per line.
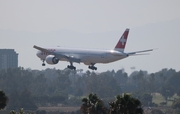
x=92 y=67
x=71 y=67
x=95 y=68
x=43 y=64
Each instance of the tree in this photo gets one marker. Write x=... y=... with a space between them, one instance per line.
x=14 y=102
x=145 y=98
x=104 y=84
x=176 y=104
x=3 y=100
x=174 y=81
x=62 y=82
x=26 y=100
x=93 y=105
x=41 y=112
x=58 y=98
x=151 y=84
x=167 y=91
x=121 y=77
x=125 y=104
x=22 y=100
x=178 y=92
x=21 y=111
x=156 y=111
x=176 y=111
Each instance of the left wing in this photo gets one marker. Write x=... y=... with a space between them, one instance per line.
x=43 y=50
x=58 y=55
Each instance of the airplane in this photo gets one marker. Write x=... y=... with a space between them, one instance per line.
x=90 y=57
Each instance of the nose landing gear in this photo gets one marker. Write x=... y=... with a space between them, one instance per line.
x=43 y=64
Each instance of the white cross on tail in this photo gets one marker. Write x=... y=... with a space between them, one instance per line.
x=122 y=40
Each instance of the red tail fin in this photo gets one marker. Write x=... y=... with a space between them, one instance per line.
x=122 y=41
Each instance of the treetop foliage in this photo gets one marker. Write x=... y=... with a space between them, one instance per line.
x=3 y=100
x=64 y=86
x=176 y=104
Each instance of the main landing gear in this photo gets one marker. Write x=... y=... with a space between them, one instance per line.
x=92 y=67
x=71 y=66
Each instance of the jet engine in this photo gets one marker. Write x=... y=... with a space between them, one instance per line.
x=51 y=59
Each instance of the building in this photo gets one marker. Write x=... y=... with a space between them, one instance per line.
x=8 y=59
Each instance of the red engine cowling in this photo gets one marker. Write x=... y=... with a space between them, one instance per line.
x=50 y=59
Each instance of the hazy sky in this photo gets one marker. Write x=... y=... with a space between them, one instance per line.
x=93 y=24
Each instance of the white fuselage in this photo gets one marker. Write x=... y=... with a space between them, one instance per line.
x=87 y=56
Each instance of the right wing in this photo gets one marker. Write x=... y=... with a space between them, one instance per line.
x=59 y=55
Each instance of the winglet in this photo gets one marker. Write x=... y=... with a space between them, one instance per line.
x=120 y=46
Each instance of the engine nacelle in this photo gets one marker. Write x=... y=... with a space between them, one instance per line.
x=50 y=59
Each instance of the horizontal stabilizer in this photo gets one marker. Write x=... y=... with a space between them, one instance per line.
x=137 y=52
x=140 y=54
